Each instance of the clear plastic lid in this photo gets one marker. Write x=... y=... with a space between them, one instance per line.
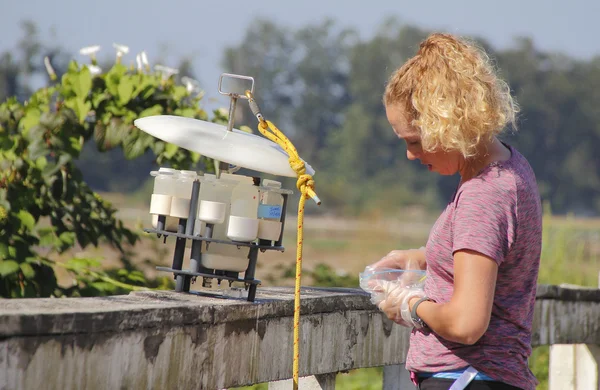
x=188 y=173
x=372 y=279
x=270 y=183
x=164 y=171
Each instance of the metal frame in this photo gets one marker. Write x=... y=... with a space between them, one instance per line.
x=185 y=229
x=184 y=278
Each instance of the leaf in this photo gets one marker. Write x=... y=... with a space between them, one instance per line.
x=82 y=109
x=195 y=156
x=99 y=135
x=3 y=250
x=82 y=83
x=80 y=106
x=99 y=98
x=154 y=110
x=75 y=144
x=30 y=119
x=187 y=112
x=50 y=169
x=38 y=149
x=116 y=132
x=136 y=279
x=6 y=143
x=68 y=238
x=104 y=287
x=73 y=67
x=41 y=162
x=133 y=146
x=27 y=270
x=47 y=237
x=113 y=78
x=170 y=150
x=63 y=159
x=179 y=92
x=112 y=83
x=125 y=90
x=148 y=92
x=83 y=263
x=8 y=267
x=27 y=219
x=115 y=110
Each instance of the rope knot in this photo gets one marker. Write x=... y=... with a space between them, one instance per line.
x=297 y=165
x=304 y=183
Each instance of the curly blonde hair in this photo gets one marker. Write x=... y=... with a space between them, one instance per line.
x=451 y=93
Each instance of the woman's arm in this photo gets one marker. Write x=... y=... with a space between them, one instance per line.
x=465 y=318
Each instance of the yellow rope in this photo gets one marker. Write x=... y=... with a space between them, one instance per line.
x=306 y=185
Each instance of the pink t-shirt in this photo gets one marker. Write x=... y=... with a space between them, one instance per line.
x=498 y=214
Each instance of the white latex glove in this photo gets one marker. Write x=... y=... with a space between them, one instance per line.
x=395 y=304
x=389 y=294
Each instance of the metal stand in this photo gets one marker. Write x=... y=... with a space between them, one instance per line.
x=185 y=230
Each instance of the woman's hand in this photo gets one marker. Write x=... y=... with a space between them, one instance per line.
x=403 y=259
x=396 y=305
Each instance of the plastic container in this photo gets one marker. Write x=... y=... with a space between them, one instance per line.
x=162 y=196
x=243 y=221
x=224 y=257
x=242 y=228
x=376 y=280
x=270 y=207
x=160 y=202
x=214 y=198
x=180 y=205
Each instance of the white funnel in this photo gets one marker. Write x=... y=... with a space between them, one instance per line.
x=214 y=141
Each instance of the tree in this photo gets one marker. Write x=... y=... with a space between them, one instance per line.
x=45 y=205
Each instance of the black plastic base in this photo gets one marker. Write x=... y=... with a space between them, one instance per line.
x=183 y=280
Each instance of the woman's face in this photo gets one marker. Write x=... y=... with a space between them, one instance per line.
x=444 y=163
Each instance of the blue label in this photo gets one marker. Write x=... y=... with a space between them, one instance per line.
x=269 y=211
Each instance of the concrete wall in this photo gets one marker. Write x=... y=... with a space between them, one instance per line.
x=168 y=340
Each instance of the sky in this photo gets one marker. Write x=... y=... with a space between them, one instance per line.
x=202 y=28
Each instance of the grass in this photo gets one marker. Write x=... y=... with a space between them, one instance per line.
x=337 y=249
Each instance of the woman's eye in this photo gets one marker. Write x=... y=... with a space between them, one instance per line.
x=413 y=143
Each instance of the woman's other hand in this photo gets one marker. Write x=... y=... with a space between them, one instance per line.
x=403 y=259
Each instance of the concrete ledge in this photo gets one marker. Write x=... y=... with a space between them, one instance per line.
x=568 y=292
x=46 y=316
x=169 y=340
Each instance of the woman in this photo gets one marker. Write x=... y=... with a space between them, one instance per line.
x=482 y=256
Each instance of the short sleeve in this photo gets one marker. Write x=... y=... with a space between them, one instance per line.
x=485 y=218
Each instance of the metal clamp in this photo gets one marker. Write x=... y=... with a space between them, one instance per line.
x=223 y=167
x=255 y=108
x=235 y=76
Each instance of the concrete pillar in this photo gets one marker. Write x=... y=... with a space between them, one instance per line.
x=397 y=377
x=574 y=367
x=315 y=382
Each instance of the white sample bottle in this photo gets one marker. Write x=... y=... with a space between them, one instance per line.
x=270 y=208
x=223 y=257
x=243 y=221
x=213 y=199
x=162 y=195
x=180 y=205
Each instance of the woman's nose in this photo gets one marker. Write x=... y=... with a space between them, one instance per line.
x=411 y=155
